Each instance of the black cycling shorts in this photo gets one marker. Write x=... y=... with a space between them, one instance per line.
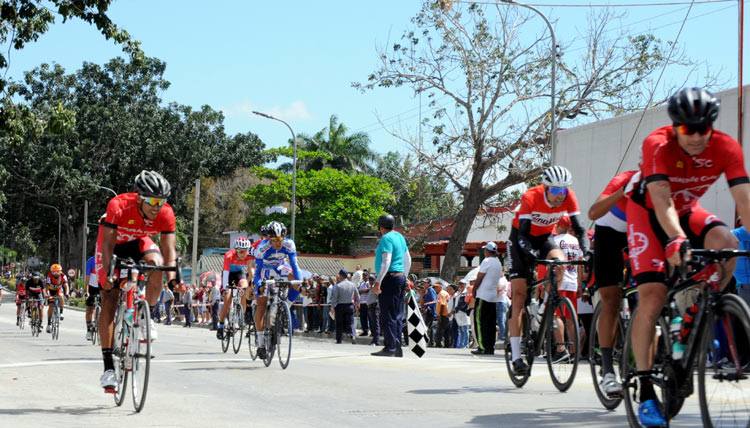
x=608 y=262
x=517 y=261
x=93 y=292
x=234 y=278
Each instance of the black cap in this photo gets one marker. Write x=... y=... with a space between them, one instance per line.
x=386 y=221
x=344 y=273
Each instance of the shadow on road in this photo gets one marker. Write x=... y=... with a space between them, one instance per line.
x=221 y=368
x=552 y=417
x=464 y=390
x=60 y=410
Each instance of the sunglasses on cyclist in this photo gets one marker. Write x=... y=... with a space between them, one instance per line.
x=154 y=202
x=557 y=191
x=242 y=251
x=277 y=239
x=692 y=129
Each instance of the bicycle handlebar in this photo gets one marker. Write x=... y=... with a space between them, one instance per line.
x=557 y=262
x=274 y=281
x=120 y=263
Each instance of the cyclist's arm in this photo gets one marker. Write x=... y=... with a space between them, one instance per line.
x=169 y=250
x=524 y=233
x=295 y=267
x=109 y=239
x=258 y=269
x=666 y=213
x=741 y=195
x=603 y=204
x=583 y=237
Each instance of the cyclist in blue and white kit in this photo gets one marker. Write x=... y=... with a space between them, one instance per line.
x=269 y=264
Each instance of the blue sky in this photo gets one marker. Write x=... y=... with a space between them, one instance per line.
x=296 y=60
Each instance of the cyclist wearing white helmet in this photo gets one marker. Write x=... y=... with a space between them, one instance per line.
x=531 y=237
x=237 y=263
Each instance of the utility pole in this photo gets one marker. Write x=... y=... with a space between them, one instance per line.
x=195 y=229
x=85 y=237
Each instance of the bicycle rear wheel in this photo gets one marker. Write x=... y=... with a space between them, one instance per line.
x=239 y=327
x=22 y=321
x=141 y=353
x=563 y=365
x=283 y=333
x=669 y=403
x=228 y=332
x=527 y=350
x=56 y=324
x=252 y=340
x=35 y=322
x=723 y=382
x=595 y=359
x=268 y=339
x=121 y=340
x=95 y=325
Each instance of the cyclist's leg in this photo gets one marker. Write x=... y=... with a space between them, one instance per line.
x=518 y=276
x=706 y=230
x=244 y=287
x=227 y=305
x=260 y=312
x=61 y=302
x=608 y=269
x=153 y=257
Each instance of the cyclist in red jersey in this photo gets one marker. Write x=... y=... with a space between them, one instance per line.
x=131 y=219
x=57 y=286
x=531 y=237
x=237 y=263
x=20 y=296
x=679 y=164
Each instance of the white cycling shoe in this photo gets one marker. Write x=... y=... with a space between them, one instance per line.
x=154 y=334
x=109 y=380
x=89 y=335
x=611 y=386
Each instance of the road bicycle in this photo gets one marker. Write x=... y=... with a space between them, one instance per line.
x=36 y=316
x=535 y=339
x=55 y=321
x=235 y=323
x=132 y=333
x=277 y=322
x=95 y=319
x=717 y=348
x=22 y=317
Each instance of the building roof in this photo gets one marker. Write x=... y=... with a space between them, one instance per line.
x=319 y=265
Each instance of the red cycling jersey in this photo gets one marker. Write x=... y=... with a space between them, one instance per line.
x=534 y=206
x=55 y=283
x=231 y=260
x=123 y=215
x=689 y=176
x=21 y=289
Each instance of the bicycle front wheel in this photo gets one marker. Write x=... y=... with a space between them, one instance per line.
x=595 y=359
x=284 y=332
x=239 y=327
x=723 y=366
x=268 y=338
x=56 y=324
x=121 y=338
x=252 y=340
x=562 y=344
x=228 y=332
x=95 y=325
x=141 y=354
x=22 y=321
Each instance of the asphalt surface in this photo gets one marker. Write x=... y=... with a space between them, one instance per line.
x=56 y=384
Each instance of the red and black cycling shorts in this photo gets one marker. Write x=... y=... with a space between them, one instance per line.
x=608 y=258
x=55 y=292
x=34 y=295
x=517 y=260
x=135 y=250
x=234 y=279
x=573 y=297
x=646 y=239
x=20 y=298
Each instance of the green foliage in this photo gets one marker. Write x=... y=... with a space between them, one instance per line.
x=333 y=208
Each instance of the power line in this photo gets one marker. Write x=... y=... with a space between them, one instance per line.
x=677 y=3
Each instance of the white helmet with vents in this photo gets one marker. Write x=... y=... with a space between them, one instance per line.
x=557 y=176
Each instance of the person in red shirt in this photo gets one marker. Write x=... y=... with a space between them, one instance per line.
x=20 y=296
x=131 y=220
x=237 y=264
x=530 y=237
x=57 y=285
x=679 y=164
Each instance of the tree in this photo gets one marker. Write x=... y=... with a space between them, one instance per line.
x=337 y=149
x=489 y=88
x=418 y=195
x=333 y=207
x=119 y=127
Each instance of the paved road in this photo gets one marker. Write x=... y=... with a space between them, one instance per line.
x=51 y=384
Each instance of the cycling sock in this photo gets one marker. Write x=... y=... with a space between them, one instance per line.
x=607 y=366
x=61 y=310
x=515 y=347
x=221 y=325
x=261 y=343
x=647 y=388
x=107 y=357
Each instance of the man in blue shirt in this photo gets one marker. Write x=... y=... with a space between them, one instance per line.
x=392 y=263
x=429 y=305
x=742 y=269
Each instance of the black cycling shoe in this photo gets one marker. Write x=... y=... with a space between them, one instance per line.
x=262 y=353
x=220 y=333
x=520 y=367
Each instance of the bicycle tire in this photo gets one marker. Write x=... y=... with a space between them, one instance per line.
x=238 y=328
x=595 y=359
x=527 y=349
x=284 y=332
x=22 y=321
x=141 y=340
x=35 y=322
x=563 y=373
x=56 y=324
x=95 y=325
x=121 y=338
x=725 y=375
x=268 y=340
x=252 y=340
x=228 y=332
x=630 y=377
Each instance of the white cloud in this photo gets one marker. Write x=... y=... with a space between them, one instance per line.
x=297 y=110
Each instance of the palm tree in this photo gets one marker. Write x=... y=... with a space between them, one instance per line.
x=350 y=153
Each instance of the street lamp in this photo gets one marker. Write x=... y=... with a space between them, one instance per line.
x=107 y=188
x=554 y=62
x=294 y=164
x=59 y=222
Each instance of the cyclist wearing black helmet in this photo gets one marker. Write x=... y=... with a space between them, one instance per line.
x=679 y=163
x=131 y=219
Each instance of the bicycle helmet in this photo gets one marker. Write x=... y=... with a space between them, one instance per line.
x=276 y=228
x=242 y=243
x=264 y=230
x=36 y=275
x=557 y=176
x=693 y=106
x=152 y=184
x=55 y=268
x=386 y=221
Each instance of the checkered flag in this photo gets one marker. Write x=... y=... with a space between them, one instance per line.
x=415 y=327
